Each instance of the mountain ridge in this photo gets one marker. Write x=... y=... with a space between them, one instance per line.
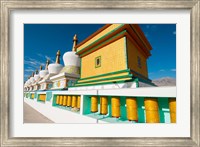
x=165 y=81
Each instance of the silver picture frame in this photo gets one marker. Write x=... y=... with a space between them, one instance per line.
x=193 y=5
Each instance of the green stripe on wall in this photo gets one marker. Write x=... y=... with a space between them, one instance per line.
x=104 y=83
x=111 y=73
x=112 y=78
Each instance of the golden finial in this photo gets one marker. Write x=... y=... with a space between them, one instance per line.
x=40 y=67
x=47 y=64
x=58 y=57
x=75 y=40
x=36 y=72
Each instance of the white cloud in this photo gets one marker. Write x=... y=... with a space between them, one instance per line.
x=33 y=63
x=50 y=59
x=29 y=70
x=161 y=70
x=173 y=69
x=40 y=55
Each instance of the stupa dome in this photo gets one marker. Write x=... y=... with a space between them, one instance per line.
x=32 y=78
x=44 y=72
x=27 y=82
x=71 y=60
x=36 y=76
x=55 y=68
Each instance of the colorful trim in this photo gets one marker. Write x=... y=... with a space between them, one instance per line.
x=110 y=73
x=93 y=35
x=113 y=78
x=141 y=35
x=140 y=76
x=102 y=43
x=139 y=42
x=104 y=83
x=80 y=66
x=126 y=51
x=145 y=81
x=101 y=38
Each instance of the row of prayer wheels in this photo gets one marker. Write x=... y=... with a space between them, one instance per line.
x=69 y=101
x=151 y=108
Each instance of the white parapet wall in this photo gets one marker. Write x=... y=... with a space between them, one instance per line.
x=63 y=116
x=141 y=92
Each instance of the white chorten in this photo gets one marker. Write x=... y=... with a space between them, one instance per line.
x=55 y=68
x=71 y=60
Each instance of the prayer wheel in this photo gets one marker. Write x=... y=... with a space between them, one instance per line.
x=172 y=109
x=74 y=101
x=94 y=104
x=61 y=100
x=32 y=96
x=64 y=100
x=69 y=101
x=103 y=105
x=57 y=99
x=42 y=97
x=115 y=103
x=152 y=110
x=78 y=102
x=131 y=107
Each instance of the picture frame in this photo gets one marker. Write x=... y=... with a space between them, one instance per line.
x=8 y=6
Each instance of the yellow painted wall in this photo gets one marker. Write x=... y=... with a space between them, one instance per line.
x=107 y=30
x=112 y=59
x=133 y=52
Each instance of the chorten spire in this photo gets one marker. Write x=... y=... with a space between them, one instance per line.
x=75 y=40
x=32 y=74
x=40 y=67
x=36 y=72
x=47 y=64
x=58 y=57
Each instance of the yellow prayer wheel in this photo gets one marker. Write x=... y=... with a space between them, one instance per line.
x=131 y=107
x=74 y=101
x=69 y=101
x=57 y=99
x=152 y=110
x=103 y=105
x=78 y=102
x=32 y=96
x=61 y=100
x=115 y=103
x=94 y=104
x=172 y=109
x=42 y=97
x=64 y=100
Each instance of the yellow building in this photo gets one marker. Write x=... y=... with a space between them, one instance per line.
x=115 y=53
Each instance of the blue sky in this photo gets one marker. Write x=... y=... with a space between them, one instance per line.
x=41 y=42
